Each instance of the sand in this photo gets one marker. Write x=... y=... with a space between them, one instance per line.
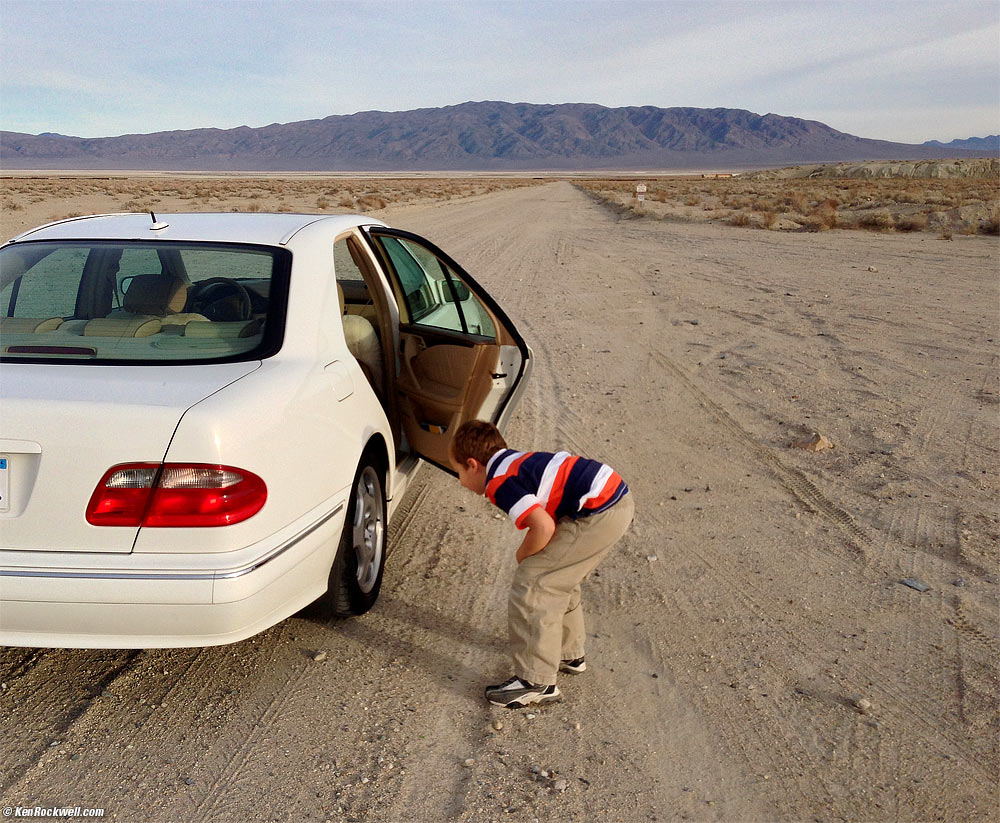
x=754 y=655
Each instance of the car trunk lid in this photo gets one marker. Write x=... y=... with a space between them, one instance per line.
x=64 y=426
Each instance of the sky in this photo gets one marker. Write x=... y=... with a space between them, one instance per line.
x=904 y=71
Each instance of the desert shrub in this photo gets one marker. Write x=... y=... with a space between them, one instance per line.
x=878 y=220
x=826 y=215
x=911 y=222
x=346 y=201
x=322 y=203
x=992 y=223
x=740 y=218
x=253 y=207
x=368 y=202
x=798 y=203
x=770 y=219
x=692 y=200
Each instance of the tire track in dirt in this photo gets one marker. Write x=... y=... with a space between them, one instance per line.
x=896 y=703
x=792 y=479
x=16 y=662
x=39 y=694
x=170 y=695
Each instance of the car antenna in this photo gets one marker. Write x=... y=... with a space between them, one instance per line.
x=153 y=216
x=157 y=225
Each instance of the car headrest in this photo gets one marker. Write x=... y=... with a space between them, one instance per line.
x=340 y=297
x=155 y=294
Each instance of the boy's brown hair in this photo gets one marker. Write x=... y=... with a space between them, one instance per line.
x=476 y=439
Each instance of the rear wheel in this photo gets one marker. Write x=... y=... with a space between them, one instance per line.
x=356 y=575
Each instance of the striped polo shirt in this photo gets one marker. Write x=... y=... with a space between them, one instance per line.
x=564 y=485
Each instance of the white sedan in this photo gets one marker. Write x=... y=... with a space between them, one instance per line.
x=208 y=419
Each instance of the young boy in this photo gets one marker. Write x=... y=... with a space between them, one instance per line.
x=574 y=510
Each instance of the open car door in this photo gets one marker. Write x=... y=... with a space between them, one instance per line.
x=460 y=357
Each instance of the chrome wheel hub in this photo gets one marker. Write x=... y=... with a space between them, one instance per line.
x=368 y=528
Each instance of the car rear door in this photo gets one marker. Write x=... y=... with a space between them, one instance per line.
x=460 y=356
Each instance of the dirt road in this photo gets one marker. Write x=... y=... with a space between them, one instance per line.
x=737 y=630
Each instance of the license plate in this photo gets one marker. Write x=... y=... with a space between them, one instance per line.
x=4 y=485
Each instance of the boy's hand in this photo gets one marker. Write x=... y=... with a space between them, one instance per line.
x=541 y=527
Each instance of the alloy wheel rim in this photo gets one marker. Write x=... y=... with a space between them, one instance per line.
x=368 y=528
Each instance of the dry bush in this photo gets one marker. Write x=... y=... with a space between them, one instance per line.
x=136 y=205
x=798 y=203
x=826 y=215
x=992 y=223
x=369 y=202
x=740 y=218
x=911 y=222
x=878 y=220
x=322 y=203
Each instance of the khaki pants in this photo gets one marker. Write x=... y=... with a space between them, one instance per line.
x=544 y=616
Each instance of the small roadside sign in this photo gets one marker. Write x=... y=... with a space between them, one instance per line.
x=640 y=192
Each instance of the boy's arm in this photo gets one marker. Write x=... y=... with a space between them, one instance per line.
x=540 y=527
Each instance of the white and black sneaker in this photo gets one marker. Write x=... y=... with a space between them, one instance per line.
x=516 y=693
x=573 y=666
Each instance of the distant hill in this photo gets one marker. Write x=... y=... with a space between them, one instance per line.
x=486 y=136
x=990 y=144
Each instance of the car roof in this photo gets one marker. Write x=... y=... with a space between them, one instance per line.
x=225 y=227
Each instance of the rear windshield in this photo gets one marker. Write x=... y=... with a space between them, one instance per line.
x=107 y=302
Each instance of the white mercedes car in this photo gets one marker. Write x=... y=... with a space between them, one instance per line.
x=207 y=420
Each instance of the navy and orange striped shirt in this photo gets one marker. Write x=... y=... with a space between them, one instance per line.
x=563 y=484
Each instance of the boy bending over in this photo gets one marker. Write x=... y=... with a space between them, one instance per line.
x=574 y=510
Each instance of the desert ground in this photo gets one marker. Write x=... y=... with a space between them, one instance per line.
x=754 y=653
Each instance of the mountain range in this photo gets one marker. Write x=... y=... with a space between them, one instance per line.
x=477 y=136
x=986 y=145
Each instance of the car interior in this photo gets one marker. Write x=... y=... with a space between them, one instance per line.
x=163 y=311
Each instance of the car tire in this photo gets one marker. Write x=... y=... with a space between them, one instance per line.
x=356 y=574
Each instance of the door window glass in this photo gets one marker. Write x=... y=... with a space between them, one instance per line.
x=343 y=263
x=434 y=294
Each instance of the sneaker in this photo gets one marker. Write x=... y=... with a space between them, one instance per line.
x=516 y=693
x=573 y=666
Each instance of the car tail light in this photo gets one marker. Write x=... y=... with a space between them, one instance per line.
x=175 y=494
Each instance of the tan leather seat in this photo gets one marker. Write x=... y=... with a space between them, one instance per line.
x=122 y=327
x=363 y=343
x=156 y=295
x=29 y=325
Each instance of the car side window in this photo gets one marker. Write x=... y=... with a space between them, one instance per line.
x=434 y=294
x=344 y=266
x=203 y=264
x=48 y=288
x=134 y=262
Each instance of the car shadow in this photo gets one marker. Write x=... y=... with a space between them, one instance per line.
x=410 y=635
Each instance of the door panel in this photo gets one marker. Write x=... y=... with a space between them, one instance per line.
x=442 y=386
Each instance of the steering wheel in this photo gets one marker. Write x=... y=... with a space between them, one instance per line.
x=221 y=299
